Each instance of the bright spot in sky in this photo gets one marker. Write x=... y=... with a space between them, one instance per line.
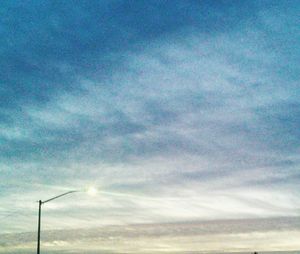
x=92 y=191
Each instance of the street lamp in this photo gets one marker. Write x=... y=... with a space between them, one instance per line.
x=90 y=191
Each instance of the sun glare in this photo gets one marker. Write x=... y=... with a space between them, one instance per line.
x=92 y=191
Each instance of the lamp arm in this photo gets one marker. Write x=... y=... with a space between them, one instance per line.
x=66 y=193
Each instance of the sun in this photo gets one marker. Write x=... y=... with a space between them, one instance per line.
x=92 y=191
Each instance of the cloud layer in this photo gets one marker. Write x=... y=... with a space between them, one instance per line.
x=212 y=236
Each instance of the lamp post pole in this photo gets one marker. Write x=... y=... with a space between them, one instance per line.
x=39 y=227
x=40 y=213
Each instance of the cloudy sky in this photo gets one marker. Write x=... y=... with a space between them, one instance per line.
x=183 y=114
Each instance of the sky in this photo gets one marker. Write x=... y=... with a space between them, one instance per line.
x=184 y=115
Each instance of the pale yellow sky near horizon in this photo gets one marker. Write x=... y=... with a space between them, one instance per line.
x=277 y=234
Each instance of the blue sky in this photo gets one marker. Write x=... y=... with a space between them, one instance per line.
x=177 y=111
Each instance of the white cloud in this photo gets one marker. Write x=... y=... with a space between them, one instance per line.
x=177 y=130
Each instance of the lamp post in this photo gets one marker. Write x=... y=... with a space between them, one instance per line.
x=40 y=212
